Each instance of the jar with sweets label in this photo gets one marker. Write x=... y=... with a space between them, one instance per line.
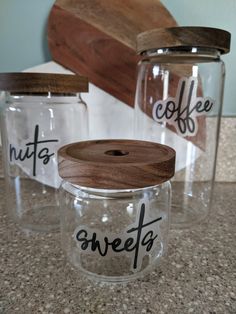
x=115 y=206
x=41 y=113
x=178 y=103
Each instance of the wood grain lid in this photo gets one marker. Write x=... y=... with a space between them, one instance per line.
x=43 y=83
x=116 y=164
x=184 y=37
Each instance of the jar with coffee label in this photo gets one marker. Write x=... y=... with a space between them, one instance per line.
x=114 y=203
x=178 y=103
x=41 y=113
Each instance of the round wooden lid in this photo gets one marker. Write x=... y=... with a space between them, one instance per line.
x=43 y=83
x=184 y=37
x=116 y=164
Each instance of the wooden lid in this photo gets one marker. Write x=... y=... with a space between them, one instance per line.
x=184 y=37
x=116 y=164
x=43 y=83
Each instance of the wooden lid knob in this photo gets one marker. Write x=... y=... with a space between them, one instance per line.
x=184 y=37
x=116 y=164
x=43 y=83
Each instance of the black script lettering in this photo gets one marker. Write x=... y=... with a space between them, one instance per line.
x=183 y=122
x=21 y=155
x=128 y=243
x=33 y=149
x=115 y=243
x=150 y=241
x=199 y=108
x=139 y=231
x=160 y=112
x=170 y=109
x=46 y=156
x=208 y=105
x=84 y=240
x=96 y=245
x=93 y=241
x=183 y=110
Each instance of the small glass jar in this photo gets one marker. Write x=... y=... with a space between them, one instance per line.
x=41 y=113
x=115 y=206
x=178 y=103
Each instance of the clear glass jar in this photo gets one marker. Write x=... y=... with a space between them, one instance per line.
x=34 y=125
x=178 y=103
x=90 y=216
x=113 y=234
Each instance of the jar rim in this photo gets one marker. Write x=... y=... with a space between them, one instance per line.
x=187 y=36
x=112 y=191
x=183 y=51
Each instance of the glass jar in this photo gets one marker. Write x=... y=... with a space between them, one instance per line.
x=178 y=103
x=115 y=206
x=41 y=113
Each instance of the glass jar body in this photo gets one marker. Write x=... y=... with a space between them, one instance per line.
x=178 y=103
x=33 y=127
x=114 y=235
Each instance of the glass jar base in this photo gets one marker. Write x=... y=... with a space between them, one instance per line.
x=108 y=273
x=40 y=219
x=99 y=278
x=186 y=216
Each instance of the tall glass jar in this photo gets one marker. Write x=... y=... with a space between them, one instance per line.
x=41 y=113
x=178 y=103
x=115 y=206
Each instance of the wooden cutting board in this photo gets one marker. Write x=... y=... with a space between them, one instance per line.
x=97 y=38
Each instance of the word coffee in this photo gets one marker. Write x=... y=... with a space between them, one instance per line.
x=183 y=110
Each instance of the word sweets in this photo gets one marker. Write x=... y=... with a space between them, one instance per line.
x=136 y=241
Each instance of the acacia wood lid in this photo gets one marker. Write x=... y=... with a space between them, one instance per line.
x=205 y=37
x=116 y=164
x=43 y=83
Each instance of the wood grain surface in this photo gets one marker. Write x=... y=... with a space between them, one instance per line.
x=204 y=37
x=116 y=164
x=43 y=83
x=97 y=38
